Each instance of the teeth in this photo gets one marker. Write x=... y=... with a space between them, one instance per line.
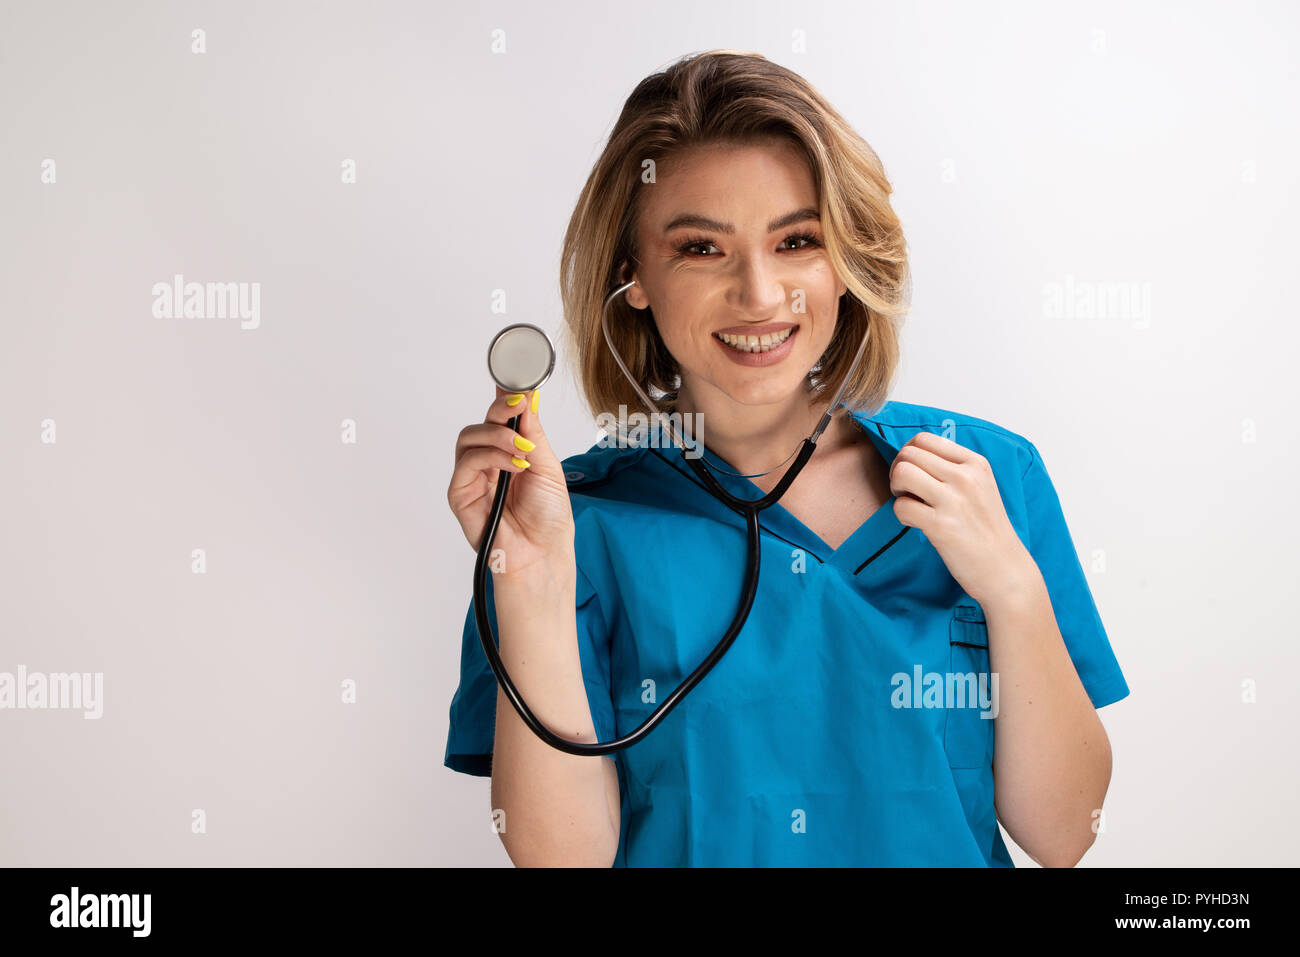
x=756 y=343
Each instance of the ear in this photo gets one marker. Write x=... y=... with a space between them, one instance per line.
x=635 y=295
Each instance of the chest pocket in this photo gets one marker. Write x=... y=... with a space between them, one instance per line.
x=967 y=735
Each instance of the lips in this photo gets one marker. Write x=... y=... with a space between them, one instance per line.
x=766 y=329
x=755 y=344
x=760 y=358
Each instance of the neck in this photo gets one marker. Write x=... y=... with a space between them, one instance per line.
x=758 y=438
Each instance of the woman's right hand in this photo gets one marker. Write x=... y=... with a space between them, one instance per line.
x=537 y=521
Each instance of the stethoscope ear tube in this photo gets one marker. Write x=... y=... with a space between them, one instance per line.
x=489 y=642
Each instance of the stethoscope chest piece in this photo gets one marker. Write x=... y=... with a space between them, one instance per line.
x=521 y=358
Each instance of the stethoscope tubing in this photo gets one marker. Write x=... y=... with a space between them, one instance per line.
x=748 y=508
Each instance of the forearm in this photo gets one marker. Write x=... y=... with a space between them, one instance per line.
x=1052 y=759
x=557 y=805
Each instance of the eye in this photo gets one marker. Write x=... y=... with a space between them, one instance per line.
x=806 y=241
x=687 y=247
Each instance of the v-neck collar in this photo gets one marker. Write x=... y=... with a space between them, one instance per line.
x=868 y=541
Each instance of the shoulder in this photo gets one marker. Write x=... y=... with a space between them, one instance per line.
x=608 y=486
x=587 y=473
x=612 y=489
x=1009 y=453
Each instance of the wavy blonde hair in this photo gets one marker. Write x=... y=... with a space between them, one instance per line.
x=732 y=96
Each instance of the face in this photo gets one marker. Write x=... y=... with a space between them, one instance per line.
x=730 y=242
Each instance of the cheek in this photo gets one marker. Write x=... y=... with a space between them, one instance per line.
x=676 y=339
x=680 y=335
x=821 y=325
x=667 y=331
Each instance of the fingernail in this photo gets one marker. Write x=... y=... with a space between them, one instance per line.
x=515 y=399
x=523 y=443
x=520 y=463
x=537 y=400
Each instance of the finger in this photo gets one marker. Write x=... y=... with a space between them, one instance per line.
x=501 y=408
x=945 y=448
x=480 y=459
x=501 y=411
x=912 y=512
x=908 y=477
x=496 y=436
x=945 y=470
x=529 y=425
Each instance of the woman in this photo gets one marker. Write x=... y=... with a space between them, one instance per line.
x=918 y=554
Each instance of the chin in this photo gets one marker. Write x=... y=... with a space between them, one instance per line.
x=767 y=392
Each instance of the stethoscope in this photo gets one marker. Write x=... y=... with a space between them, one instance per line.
x=520 y=359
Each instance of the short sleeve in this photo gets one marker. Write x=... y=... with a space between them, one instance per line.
x=472 y=726
x=1077 y=618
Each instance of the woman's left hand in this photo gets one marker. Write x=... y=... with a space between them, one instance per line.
x=948 y=491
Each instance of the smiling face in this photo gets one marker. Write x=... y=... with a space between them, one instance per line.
x=730 y=245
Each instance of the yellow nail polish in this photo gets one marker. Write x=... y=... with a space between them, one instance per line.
x=515 y=399
x=537 y=400
x=523 y=443
x=520 y=463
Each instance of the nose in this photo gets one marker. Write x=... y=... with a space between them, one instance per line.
x=760 y=291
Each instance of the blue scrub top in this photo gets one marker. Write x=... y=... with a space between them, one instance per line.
x=800 y=747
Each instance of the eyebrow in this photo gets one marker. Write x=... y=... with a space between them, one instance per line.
x=696 y=221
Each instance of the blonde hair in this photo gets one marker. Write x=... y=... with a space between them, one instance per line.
x=732 y=96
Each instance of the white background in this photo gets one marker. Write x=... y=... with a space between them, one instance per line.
x=1146 y=143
